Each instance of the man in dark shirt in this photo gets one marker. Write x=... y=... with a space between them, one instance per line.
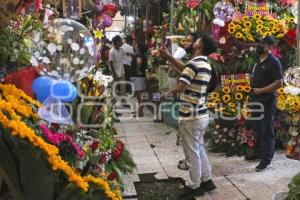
x=266 y=79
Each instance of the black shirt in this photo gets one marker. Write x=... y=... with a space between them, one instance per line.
x=266 y=72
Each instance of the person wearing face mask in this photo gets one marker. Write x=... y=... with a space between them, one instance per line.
x=266 y=79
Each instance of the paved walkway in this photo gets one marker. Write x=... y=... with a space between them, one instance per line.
x=154 y=150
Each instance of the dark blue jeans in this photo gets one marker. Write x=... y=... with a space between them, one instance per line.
x=265 y=135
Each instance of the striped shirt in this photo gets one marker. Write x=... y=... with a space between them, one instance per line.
x=197 y=75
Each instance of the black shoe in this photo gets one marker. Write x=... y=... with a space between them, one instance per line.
x=252 y=157
x=208 y=186
x=190 y=194
x=262 y=167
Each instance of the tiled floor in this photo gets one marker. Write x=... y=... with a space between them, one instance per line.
x=153 y=147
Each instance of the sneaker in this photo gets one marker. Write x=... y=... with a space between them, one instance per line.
x=252 y=157
x=262 y=167
x=188 y=193
x=208 y=185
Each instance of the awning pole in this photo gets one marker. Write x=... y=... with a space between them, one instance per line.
x=172 y=18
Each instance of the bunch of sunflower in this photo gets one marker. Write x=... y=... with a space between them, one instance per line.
x=288 y=102
x=230 y=102
x=251 y=29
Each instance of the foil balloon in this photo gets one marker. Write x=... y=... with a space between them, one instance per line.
x=98 y=5
x=101 y=22
x=65 y=49
x=110 y=9
x=223 y=12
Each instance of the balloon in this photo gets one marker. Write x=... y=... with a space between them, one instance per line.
x=41 y=87
x=41 y=83
x=110 y=9
x=64 y=91
x=63 y=49
x=98 y=5
x=102 y=21
x=223 y=12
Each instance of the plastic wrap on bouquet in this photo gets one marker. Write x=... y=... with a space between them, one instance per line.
x=54 y=111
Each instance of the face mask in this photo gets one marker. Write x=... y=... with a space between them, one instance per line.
x=260 y=49
x=189 y=50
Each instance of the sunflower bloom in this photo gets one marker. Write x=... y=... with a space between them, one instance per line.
x=247 y=89
x=257 y=16
x=226 y=90
x=231 y=30
x=239 y=88
x=226 y=98
x=217 y=101
x=245 y=18
x=280 y=91
x=248 y=24
x=239 y=96
x=210 y=105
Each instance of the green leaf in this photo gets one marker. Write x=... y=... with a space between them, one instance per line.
x=37 y=178
x=9 y=170
x=71 y=192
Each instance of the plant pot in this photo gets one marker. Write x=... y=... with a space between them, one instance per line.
x=280 y=196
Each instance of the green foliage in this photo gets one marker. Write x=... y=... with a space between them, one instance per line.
x=15 y=40
x=294 y=186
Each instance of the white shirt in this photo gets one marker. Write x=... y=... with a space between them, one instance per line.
x=128 y=49
x=117 y=56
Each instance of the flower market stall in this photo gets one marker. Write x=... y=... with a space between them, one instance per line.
x=57 y=131
x=237 y=27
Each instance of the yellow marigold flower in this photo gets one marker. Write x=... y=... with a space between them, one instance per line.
x=239 y=35
x=226 y=98
x=257 y=16
x=247 y=89
x=239 y=96
x=226 y=90
x=239 y=88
